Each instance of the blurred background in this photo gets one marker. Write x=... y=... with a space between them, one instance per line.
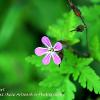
x=22 y=24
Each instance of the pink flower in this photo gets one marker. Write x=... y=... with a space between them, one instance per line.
x=49 y=51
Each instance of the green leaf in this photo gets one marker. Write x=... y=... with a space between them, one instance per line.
x=88 y=78
x=80 y=65
x=61 y=30
x=69 y=90
x=62 y=85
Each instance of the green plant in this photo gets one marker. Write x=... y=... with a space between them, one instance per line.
x=73 y=65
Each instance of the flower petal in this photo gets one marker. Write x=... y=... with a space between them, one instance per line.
x=56 y=58
x=39 y=51
x=57 y=46
x=45 y=40
x=46 y=59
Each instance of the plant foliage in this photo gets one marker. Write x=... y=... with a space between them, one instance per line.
x=72 y=65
